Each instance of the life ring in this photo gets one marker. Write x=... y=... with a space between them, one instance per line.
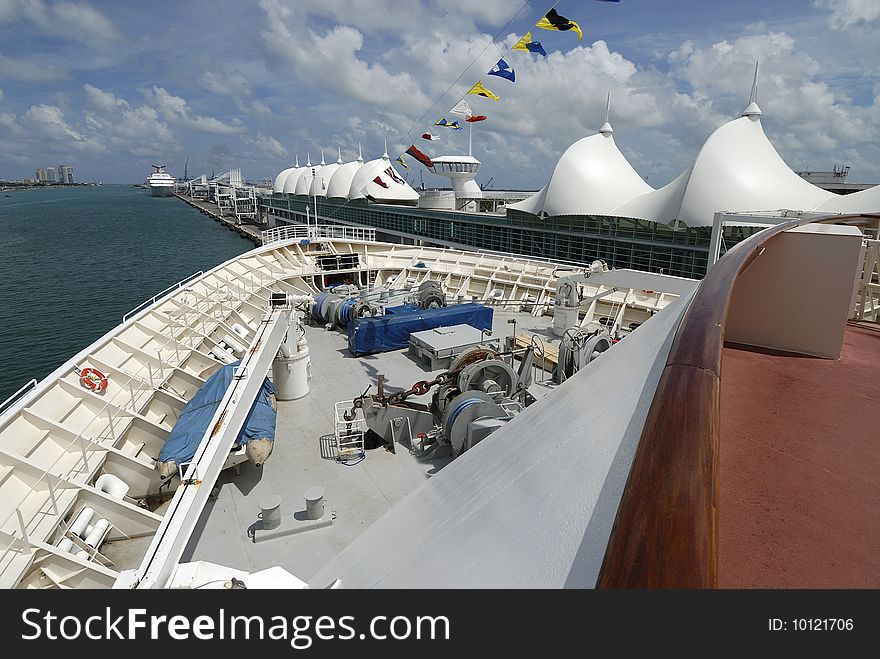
x=92 y=378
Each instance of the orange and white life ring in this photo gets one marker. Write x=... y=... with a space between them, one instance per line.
x=92 y=378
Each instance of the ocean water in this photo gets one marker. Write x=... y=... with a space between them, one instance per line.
x=73 y=261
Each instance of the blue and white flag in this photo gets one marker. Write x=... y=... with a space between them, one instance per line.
x=502 y=70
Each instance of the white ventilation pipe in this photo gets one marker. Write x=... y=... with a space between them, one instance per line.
x=112 y=485
x=239 y=329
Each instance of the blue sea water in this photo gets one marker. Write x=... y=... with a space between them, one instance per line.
x=73 y=261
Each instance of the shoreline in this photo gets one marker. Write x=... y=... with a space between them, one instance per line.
x=22 y=188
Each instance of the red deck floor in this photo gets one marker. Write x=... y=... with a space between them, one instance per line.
x=800 y=468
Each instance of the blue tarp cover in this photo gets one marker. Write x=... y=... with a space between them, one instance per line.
x=187 y=433
x=391 y=331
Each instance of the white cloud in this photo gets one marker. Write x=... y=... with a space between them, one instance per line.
x=330 y=60
x=48 y=129
x=175 y=109
x=851 y=13
x=29 y=69
x=101 y=99
x=69 y=20
x=269 y=147
x=799 y=107
x=50 y=121
x=137 y=131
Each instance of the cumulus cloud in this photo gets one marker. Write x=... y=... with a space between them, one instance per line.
x=223 y=80
x=330 y=60
x=850 y=13
x=49 y=131
x=801 y=109
x=50 y=121
x=101 y=99
x=176 y=110
x=137 y=131
x=269 y=147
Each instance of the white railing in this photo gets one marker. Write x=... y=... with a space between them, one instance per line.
x=15 y=396
x=153 y=299
x=866 y=294
x=349 y=434
x=301 y=231
x=143 y=380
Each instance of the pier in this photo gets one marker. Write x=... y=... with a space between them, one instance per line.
x=248 y=230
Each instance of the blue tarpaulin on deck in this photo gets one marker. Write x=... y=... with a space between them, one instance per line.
x=195 y=418
x=391 y=331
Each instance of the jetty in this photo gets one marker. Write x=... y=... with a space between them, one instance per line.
x=231 y=222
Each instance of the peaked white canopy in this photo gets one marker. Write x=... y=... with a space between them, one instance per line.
x=292 y=179
x=322 y=180
x=363 y=184
x=340 y=182
x=736 y=170
x=592 y=173
x=278 y=186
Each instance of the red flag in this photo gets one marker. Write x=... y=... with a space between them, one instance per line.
x=429 y=137
x=477 y=117
x=394 y=177
x=378 y=181
x=418 y=155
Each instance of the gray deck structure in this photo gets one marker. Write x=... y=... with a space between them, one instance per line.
x=355 y=495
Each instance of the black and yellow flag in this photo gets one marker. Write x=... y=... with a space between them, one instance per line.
x=553 y=21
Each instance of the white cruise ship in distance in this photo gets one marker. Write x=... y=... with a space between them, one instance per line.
x=161 y=183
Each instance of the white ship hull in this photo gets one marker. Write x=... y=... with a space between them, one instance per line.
x=161 y=190
x=60 y=437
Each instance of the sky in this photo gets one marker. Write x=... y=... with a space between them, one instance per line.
x=113 y=87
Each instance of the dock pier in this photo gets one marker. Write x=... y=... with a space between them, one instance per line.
x=251 y=231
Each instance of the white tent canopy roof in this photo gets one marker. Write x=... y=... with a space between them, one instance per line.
x=340 y=182
x=736 y=170
x=278 y=186
x=322 y=179
x=593 y=173
x=292 y=179
x=363 y=184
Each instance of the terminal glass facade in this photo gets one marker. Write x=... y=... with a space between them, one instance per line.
x=619 y=241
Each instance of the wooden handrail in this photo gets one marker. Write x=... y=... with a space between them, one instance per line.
x=665 y=534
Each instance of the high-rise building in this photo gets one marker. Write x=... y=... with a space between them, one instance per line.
x=65 y=173
x=41 y=175
x=51 y=177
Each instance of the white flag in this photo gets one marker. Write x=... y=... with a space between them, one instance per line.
x=462 y=109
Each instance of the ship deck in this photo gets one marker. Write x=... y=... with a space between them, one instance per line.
x=800 y=487
x=355 y=495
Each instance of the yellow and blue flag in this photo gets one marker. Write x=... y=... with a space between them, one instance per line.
x=402 y=162
x=454 y=125
x=530 y=46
